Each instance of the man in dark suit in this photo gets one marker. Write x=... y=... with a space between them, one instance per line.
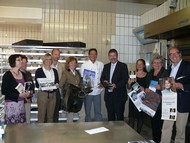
x=115 y=74
x=180 y=70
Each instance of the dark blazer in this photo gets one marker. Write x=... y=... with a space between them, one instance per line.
x=120 y=78
x=161 y=74
x=183 y=96
x=8 y=86
x=40 y=74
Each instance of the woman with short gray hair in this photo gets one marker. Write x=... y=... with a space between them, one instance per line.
x=157 y=71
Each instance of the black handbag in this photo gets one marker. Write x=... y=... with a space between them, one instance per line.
x=74 y=97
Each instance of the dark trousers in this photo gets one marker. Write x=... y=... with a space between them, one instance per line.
x=157 y=127
x=115 y=107
x=57 y=106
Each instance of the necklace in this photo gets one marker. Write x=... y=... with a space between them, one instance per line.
x=140 y=74
x=16 y=73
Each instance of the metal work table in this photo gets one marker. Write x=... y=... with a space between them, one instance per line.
x=119 y=132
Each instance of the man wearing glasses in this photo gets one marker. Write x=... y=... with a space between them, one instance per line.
x=180 y=70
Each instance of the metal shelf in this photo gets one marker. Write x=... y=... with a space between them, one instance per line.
x=41 y=54
x=33 y=47
x=34 y=54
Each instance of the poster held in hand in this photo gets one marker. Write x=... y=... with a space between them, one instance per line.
x=89 y=77
x=147 y=102
x=136 y=96
x=150 y=103
x=46 y=84
x=169 y=99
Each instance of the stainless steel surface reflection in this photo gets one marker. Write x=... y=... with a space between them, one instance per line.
x=119 y=132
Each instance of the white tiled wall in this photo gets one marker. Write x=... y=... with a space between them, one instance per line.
x=11 y=32
x=91 y=27
x=101 y=30
x=123 y=39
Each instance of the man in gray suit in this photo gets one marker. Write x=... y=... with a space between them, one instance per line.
x=60 y=67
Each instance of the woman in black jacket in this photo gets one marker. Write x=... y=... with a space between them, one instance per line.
x=136 y=117
x=13 y=89
x=158 y=71
x=46 y=99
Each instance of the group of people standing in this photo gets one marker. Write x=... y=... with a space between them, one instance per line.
x=49 y=101
x=179 y=70
x=115 y=74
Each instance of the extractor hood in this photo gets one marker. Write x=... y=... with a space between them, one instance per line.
x=174 y=26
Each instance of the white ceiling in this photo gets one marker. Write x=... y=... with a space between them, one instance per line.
x=137 y=7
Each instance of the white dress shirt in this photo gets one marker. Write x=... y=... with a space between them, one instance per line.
x=97 y=67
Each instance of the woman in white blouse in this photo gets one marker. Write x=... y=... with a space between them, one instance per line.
x=46 y=99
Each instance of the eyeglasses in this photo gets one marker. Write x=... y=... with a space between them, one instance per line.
x=174 y=54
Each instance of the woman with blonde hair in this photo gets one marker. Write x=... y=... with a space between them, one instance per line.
x=46 y=99
x=157 y=71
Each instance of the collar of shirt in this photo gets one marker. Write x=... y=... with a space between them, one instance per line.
x=177 y=66
x=174 y=69
x=92 y=66
x=114 y=64
x=73 y=71
x=54 y=66
x=92 y=62
x=49 y=73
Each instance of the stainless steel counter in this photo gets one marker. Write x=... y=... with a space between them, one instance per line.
x=119 y=132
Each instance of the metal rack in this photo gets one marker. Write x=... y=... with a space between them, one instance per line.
x=34 y=54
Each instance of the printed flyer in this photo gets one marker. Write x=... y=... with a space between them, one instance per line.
x=88 y=77
x=169 y=99
x=147 y=102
